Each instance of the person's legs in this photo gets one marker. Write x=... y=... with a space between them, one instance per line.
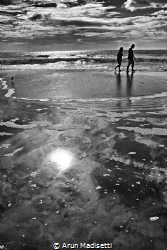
x=129 y=63
x=132 y=66
x=118 y=66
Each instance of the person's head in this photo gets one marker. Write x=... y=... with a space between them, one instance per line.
x=132 y=46
x=121 y=49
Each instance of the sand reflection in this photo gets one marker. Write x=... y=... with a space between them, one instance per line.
x=119 y=82
x=129 y=84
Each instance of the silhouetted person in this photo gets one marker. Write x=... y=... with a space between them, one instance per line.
x=131 y=58
x=119 y=58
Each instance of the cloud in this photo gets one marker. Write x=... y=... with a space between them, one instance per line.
x=134 y=5
x=143 y=2
x=45 y=5
x=160 y=13
x=128 y=5
x=35 y=17
x=158 y=1
x=138 y=20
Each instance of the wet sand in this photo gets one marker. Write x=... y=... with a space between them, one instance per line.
x=83 y=171
x=42 y=84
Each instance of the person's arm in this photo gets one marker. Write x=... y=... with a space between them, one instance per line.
x=133 y=55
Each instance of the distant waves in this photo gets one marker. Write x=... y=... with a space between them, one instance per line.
x=83 y=60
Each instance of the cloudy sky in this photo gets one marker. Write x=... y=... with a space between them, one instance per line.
x=82 y=24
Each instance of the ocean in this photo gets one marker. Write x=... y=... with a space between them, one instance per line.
x=98 y=60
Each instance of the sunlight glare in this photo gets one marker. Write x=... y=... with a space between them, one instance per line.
x=62 y=158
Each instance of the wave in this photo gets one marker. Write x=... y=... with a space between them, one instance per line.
x=100 y=100
x=43 y=59
x=82 y=60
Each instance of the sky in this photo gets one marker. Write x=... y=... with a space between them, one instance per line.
x=30 y=25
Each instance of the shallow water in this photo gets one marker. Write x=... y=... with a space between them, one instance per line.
x=83 y=168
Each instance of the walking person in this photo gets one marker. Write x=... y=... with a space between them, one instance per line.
x=119 y=58
x=131 y=58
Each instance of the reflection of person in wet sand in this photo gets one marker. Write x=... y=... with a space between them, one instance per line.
x=119 y=58
x=12 y=82
x=131 y=58
x=118 y=80
x=129 y=86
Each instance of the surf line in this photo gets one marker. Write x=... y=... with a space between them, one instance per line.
x=5 y=87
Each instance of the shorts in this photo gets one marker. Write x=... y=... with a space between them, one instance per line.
x=131 y=61
x=119 y=61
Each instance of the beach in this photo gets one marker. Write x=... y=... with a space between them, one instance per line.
x=80 y=85
x=83 y=159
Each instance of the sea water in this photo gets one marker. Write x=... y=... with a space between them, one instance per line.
x=97 y=60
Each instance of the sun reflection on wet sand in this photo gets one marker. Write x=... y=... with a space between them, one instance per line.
x=62 y=158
